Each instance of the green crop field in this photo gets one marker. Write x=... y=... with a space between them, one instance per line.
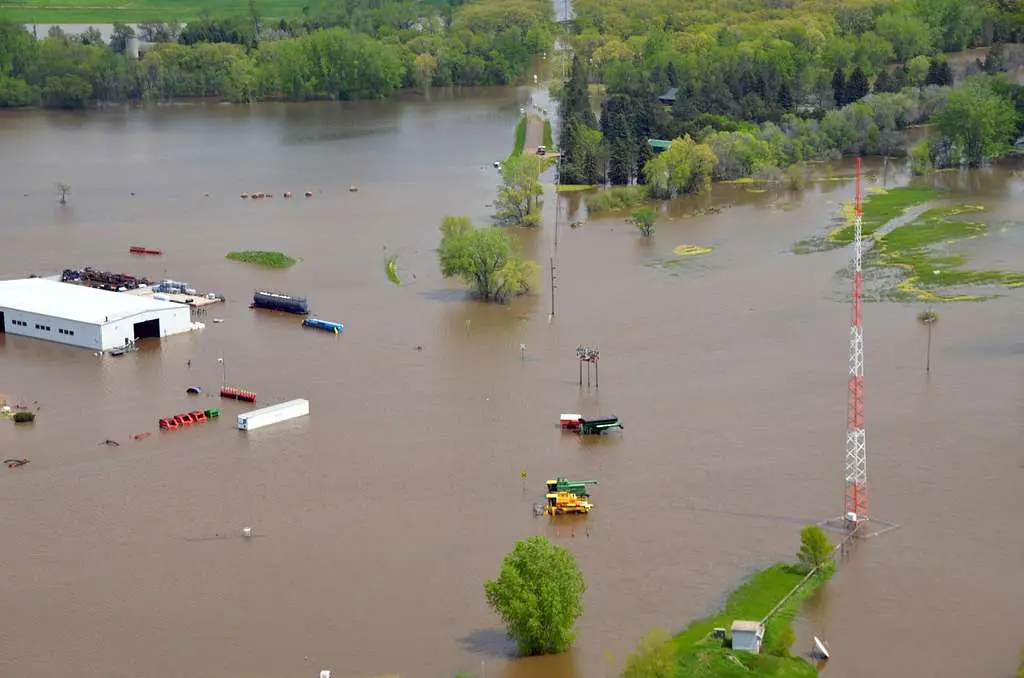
x=135 y=11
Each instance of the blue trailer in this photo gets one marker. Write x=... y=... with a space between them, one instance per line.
x=325 y=325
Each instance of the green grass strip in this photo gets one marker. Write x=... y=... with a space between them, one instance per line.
x=879 y=209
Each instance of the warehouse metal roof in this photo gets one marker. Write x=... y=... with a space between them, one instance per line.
x=75 y=302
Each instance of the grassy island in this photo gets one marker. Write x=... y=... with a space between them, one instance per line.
x=700 y=654
x=263 y=258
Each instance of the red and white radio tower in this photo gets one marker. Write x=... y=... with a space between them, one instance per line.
x=855 y=504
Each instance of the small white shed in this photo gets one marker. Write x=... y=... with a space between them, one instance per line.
x=747 y=636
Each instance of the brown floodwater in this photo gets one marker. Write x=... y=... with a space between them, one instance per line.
x=378 y=518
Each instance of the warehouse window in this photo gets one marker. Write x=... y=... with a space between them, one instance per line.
x=70 y=333
x=44 y=328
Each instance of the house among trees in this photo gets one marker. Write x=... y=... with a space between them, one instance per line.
x=658 y=145
x=136 y=48
x=669 y=97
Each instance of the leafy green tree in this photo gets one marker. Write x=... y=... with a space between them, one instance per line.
x=685 y=167
x=539 y=596
x=977 y=123
x=654 y=657
x=119 y=37
x=520 y=190
x=739 y=154
x=815 y=548
x=796 y=177
x=921 y=158
x=908 y=34
x=643 y=220
x=953 y=22
x=918 y=70
x=485 y=258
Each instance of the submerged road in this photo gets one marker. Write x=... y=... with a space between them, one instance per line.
x=534 y=134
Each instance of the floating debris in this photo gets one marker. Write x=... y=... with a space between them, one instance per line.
x=111 y=443
x=391 y=270
x=690 y=250
x=15 y=463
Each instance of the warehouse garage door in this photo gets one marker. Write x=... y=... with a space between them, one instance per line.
x=147 y=329
x=2 y=325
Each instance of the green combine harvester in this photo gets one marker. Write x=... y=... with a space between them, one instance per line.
x=577 y=487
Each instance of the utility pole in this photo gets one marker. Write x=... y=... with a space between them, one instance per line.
x=554 y=277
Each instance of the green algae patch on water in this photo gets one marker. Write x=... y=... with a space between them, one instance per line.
x=691 y=250
x=391 y=270
x=912 y=249
x=263 y=258
x=570 y=188
x=682 y=254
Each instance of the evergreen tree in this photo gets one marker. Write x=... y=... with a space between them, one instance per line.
x=578 y=165
x=686 y=106
x=839 y=87
x=939 y=73
x=994 y=60
x=672 y=75
x=785 y=98
x=945 y=74
x=857 y=86
x=644 y=153
x=899 y=78
x=576 y=103
x=883 y=83
x=617 y=125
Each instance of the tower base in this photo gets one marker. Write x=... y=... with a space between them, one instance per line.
x=864 y=528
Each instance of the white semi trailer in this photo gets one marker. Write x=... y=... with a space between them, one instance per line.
x=274 y=414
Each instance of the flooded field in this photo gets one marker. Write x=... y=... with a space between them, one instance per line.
x=377 y=519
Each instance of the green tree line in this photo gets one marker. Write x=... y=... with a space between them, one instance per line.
x=767 y=84
x=362 y=49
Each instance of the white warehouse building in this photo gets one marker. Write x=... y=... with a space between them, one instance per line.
x=86 y=317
